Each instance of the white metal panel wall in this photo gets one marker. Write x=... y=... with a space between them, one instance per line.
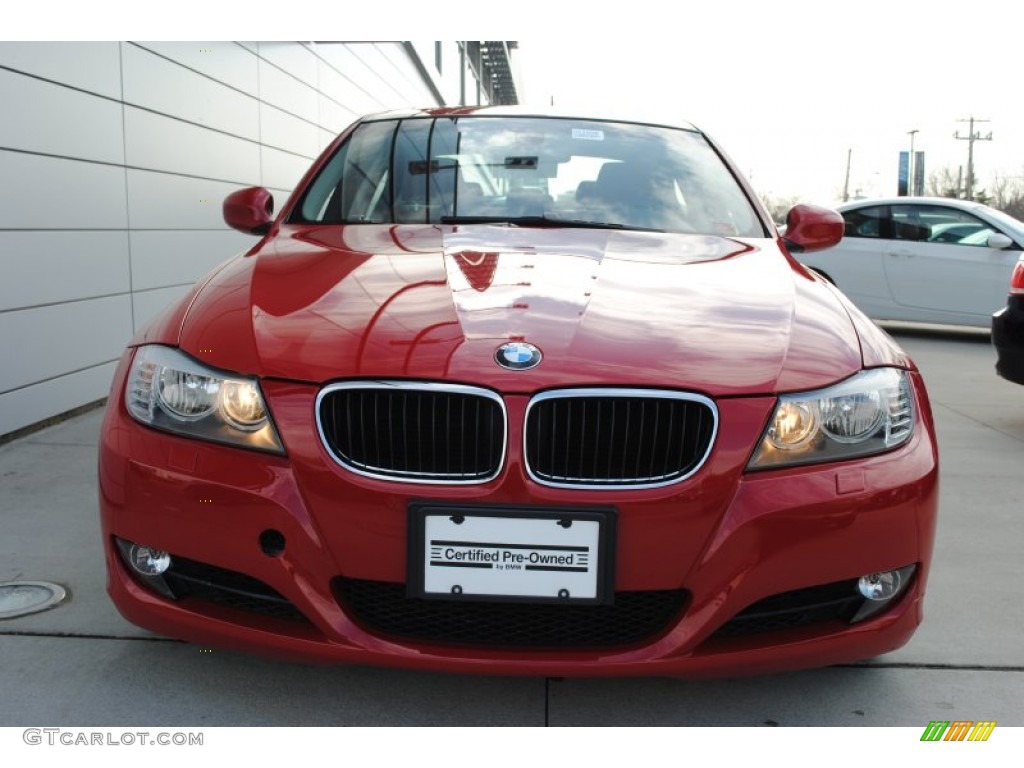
x=115 y=158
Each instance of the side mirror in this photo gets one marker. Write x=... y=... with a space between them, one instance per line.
x=810 y=228
x=250 y=210
x=999 y=241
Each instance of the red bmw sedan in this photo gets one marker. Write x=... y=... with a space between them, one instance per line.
x=515 y=393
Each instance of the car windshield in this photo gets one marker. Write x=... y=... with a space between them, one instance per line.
x=1014 y=227
x=530 y=171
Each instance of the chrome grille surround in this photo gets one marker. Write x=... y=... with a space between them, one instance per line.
x=405 y=475
x=639 y=396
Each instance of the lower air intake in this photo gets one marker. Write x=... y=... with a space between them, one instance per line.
x=383 y=607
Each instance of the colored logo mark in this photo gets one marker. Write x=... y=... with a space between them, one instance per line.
x=958 y=730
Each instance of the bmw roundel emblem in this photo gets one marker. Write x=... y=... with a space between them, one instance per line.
x=517 y=356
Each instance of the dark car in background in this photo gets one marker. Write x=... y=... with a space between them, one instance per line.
x=1008 y=330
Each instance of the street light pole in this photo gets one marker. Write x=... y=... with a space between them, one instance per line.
x=846 y=181
x=910 y=164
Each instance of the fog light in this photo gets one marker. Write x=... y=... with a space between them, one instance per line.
x=880 y=589
x=149 y=565
x=148 y=561
x=880 y=586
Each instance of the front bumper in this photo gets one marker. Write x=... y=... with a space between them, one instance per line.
x=1008 y=340
x=723 y=539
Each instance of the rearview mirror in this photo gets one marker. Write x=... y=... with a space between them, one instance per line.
x=250 y=210
x=811 y=228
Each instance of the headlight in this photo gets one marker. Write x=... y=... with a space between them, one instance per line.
x=171 y=391
x=868 y=413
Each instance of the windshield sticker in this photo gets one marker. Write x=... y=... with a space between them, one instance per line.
x=587 y=133
x=522 y=162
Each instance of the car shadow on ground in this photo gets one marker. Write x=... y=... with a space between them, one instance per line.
x=956 y=333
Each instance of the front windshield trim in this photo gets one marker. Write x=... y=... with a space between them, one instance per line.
x=538 y=116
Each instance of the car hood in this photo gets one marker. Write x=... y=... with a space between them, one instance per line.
x=711 y=314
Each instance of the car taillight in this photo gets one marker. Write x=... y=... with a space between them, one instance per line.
x=1017 y=280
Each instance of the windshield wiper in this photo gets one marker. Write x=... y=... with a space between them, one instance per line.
x=541 y=221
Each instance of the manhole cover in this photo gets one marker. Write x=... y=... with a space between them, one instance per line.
x=20 y=598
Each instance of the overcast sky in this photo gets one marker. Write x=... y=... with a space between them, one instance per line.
x=789 y=86
x=786 y=86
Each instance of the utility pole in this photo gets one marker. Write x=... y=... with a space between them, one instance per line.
x=846 y=182
x=971 y=137
x=910 y=164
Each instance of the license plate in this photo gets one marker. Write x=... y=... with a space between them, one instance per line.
x=512 y=555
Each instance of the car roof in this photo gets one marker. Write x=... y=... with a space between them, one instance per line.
x=992 y=216
x=949 y=202
x=522 y=111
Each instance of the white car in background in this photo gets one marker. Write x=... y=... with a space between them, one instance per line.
x=922 y=259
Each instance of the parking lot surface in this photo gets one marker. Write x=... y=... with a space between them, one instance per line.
x=80 y=662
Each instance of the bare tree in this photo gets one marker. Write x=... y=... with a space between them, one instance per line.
x=944 y=182
x=778 y=207
x=1008 y=195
